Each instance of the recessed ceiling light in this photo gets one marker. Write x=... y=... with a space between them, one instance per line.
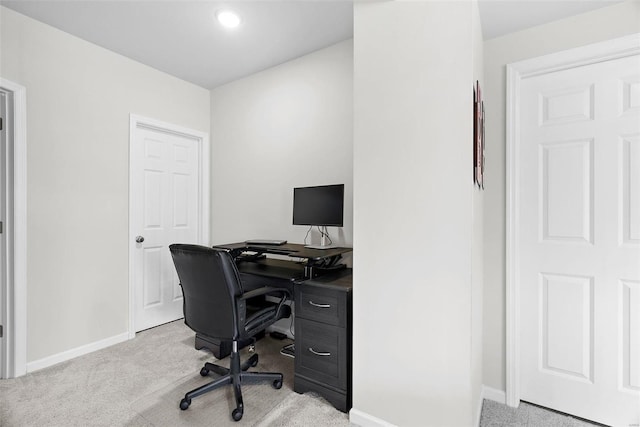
x=228 y=18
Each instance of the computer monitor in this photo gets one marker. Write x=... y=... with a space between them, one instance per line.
x=321 y=205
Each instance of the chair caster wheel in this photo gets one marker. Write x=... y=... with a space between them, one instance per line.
x=184 y=403
x=237 y=414
x=204 y=372
x=254 y=362
x=277 y=384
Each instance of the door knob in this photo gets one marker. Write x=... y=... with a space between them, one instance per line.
x=139 y=239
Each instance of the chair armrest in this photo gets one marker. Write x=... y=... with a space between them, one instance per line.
x=266 y=290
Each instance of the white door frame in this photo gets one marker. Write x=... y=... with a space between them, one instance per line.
x=202 y=139
x=516 y=72
x=15 y=309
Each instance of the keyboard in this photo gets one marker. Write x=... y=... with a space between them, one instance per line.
x=265 y=242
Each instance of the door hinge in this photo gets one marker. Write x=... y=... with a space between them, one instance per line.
x=1 y=331
x=0 y=227
x=1 y=127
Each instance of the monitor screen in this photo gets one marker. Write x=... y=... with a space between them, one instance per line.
x=321 y=205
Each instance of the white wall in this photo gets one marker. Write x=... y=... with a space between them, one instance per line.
x=478 y=239
x=79 y=97
x=413 y=344
x=602 y=24
x=289 y=126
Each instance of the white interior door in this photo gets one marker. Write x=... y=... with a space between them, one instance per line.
x=579 y=248
x=166 y=202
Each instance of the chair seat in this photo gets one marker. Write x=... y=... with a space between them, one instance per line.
x=258 y=317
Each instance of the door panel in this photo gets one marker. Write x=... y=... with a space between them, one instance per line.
x=630 y=311
x=630 y=99
x=579 y=228
x=566 y=105
x=566 y=190
x=630 y=167
x=567 y=325
x=167 y=210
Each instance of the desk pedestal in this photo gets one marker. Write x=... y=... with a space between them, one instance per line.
x=323 y=338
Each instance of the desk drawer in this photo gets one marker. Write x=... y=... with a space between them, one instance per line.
x=321 y=304
x=321 y=352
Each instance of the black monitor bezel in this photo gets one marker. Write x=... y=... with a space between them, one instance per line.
x=320 y=223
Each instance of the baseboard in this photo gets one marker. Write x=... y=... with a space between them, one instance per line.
x=363 y=419
x=478 y=414
x=494 y=394
x=75 y=352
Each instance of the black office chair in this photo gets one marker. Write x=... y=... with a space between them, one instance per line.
x=215 y=305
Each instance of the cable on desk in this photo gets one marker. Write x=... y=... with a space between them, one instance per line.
x=322 y=233
x=291 y=327
x=307 y=235
x=326 y=234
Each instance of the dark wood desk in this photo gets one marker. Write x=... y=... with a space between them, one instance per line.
x=323 y=315
x=251 y=259
x=323 y=341
x=294 y=250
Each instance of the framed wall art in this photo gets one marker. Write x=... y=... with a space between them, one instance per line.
x=478 y=136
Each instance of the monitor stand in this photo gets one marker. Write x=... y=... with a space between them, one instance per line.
x=323 y=240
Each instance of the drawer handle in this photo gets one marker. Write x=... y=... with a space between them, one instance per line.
x=317 y=353
x=320 y=305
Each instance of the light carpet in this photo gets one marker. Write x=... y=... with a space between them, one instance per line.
x=140 y=383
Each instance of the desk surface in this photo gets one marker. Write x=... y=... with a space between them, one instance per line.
x=275 y=268
x=294 y=250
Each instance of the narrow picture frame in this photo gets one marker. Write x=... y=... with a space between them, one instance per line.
x=475 y=134
x=478 y=136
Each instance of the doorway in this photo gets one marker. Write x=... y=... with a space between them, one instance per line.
x=13 y=228
x=169 y=203
x=573 y=279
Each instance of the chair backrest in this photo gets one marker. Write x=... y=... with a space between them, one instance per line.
x=210 y=284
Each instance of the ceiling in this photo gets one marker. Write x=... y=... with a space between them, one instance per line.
x=182 y=38
x=500 y=17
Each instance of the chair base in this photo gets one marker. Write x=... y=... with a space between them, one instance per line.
x=235 y=375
